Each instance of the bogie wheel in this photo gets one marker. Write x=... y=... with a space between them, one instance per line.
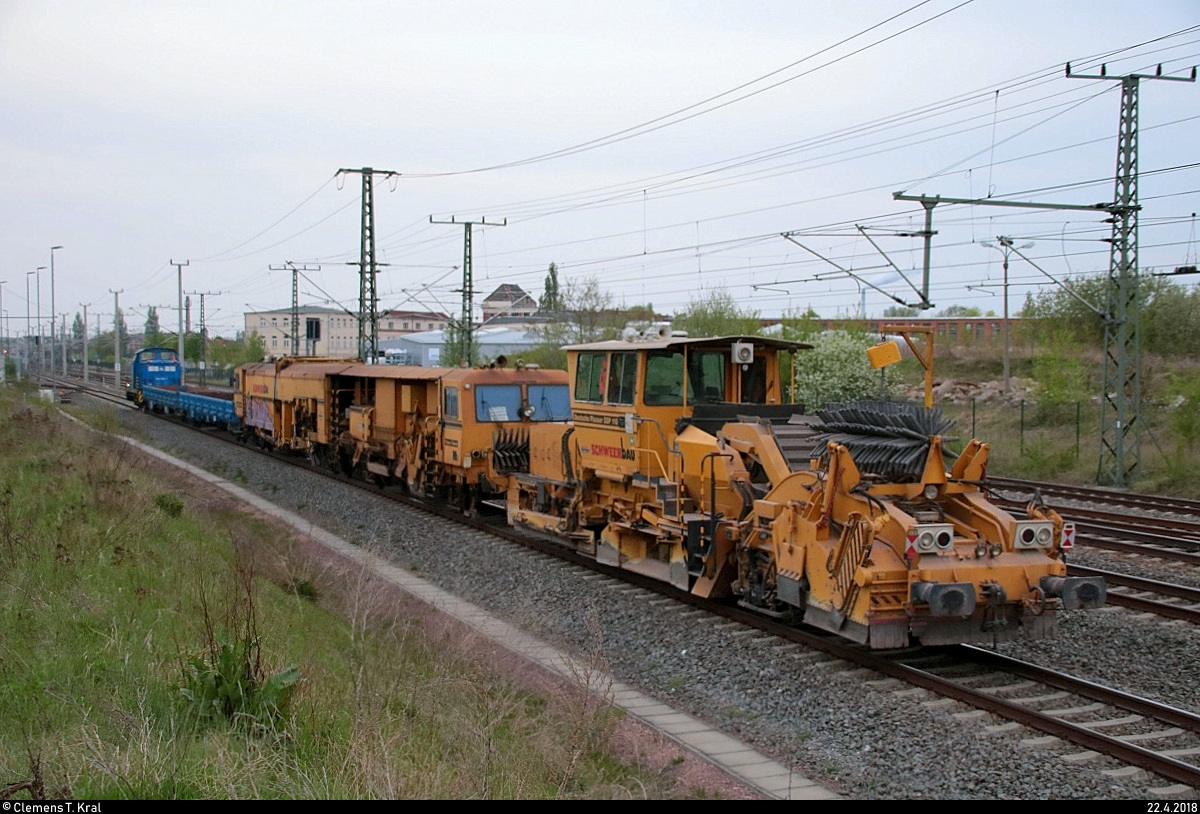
x=470 y=498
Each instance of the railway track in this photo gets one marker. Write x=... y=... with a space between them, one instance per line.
x=1158 y=738
x=1094 y=494
x=1098 y=720
x=1119 y=725
x=1142 y=595
x=1169 y=537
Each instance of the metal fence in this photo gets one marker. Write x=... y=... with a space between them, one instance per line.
x=1054 y=441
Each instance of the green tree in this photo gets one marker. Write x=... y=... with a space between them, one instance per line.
x=800 y=325
x=1060 y=370
x=902 y=311
x=1170 y=324
x=797 y=325
x=192 y=347
x=1169 y=314
x=591 y=312
x=586 y=315
x=960 y=311
x=1068 y=307
x=452 y=345
x=153 y=334
x=551 y=299
x=243 y=348
x=254 y=347
x=1184 y=414
x=717 y=314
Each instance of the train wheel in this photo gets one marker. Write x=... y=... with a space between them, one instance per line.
x=314 y=457
x=470 y=499
x=329 y=459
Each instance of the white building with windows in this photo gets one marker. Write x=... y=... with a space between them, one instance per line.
x=508 y=300
x=394 y=323
x=331 y=332
x=321 y=331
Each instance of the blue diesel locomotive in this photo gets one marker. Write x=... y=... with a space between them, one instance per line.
x=153 y=367
x=156 y=385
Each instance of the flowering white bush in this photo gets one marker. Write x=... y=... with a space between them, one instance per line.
x=837 y=370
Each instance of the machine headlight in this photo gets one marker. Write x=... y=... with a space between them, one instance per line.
x=930 y=491
x=1033 y=534
x=928 y=538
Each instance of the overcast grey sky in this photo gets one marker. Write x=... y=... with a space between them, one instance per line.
x=671 y=143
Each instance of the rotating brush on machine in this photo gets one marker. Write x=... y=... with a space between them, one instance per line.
x=886 y=438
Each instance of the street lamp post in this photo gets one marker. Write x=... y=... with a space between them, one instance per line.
x=1005 y=248
x=62 y=334
x=41 y=365
x=27 y=354
x=4 y=330
x=85 y=343
x=52 y=312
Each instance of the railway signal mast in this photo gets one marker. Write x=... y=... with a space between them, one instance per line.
x=288 y=265
x=368 y=297
x=203 y=334
x=85 y=341
x=466 y=327
x=1120 y=429
x=117 y=336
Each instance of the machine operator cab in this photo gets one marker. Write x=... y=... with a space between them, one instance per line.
x=631 y=397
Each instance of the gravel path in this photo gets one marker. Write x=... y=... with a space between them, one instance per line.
x=850 y=732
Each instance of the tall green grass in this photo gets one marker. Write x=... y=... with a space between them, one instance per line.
x=115 y=582
x=1056 y=435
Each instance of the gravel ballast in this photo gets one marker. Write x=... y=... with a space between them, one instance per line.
x=857 y=734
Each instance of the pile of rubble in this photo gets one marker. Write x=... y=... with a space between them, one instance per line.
x=954 y=391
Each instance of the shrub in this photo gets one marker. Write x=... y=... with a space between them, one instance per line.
x=837 y=370
x=227 y=681
x=169 y=504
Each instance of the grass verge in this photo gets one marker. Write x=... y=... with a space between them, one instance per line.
x=118 y=585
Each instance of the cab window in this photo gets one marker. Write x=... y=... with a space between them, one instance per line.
x=450 y=407
x=498 y=402
x=706 y=377
x=664 y=378
x=622 y=377
x=590 y=373
x=550 y=402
